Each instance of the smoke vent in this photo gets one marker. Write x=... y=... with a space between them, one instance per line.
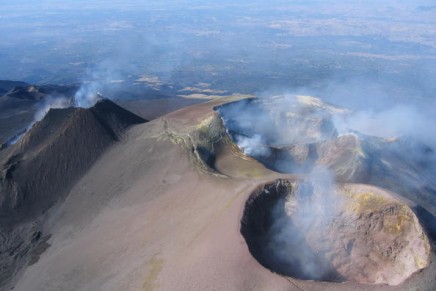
x=282 y=133
x=344 y=233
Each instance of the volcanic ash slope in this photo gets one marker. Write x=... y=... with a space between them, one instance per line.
x=41 y=167
x=161 y=210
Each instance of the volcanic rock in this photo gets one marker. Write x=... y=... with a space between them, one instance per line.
x=355 y=233
x=308 y=138
x=41 y=167
x=57 y=150
x=161 y=210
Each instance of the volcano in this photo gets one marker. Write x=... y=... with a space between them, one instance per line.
x=19 y=103
x=351 y=233
x=40 y=168
x=297 y=134
x=100 y=199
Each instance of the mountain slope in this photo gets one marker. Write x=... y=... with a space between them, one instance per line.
x=147 y=217
x=40 y=168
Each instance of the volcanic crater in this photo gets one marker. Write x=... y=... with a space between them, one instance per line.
x=312 y=201
x=352 y=232
x=334 y=227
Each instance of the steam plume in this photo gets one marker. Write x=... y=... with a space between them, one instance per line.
x=307 y=212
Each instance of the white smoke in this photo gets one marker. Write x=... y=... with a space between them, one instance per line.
x=397 y=121
x=253 y=146
x=297 y=219
x=87 y=95
x=96 y=79
x=43 y=107
x=49 y=103
x=101 y=77
x=104 y=76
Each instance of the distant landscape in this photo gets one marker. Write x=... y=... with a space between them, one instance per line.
x=243 y=46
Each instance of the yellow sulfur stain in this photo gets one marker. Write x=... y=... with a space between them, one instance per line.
x=154 y=267
x=420 y=263
x=365 y=202
x=205 y=123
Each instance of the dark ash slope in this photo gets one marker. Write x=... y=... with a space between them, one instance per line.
x=39 y=170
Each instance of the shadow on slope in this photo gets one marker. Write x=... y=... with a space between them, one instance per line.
x=38 y=171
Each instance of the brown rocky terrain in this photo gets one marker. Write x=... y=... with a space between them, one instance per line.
x=161 y=209
x=354 y=233
x=351 y=156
